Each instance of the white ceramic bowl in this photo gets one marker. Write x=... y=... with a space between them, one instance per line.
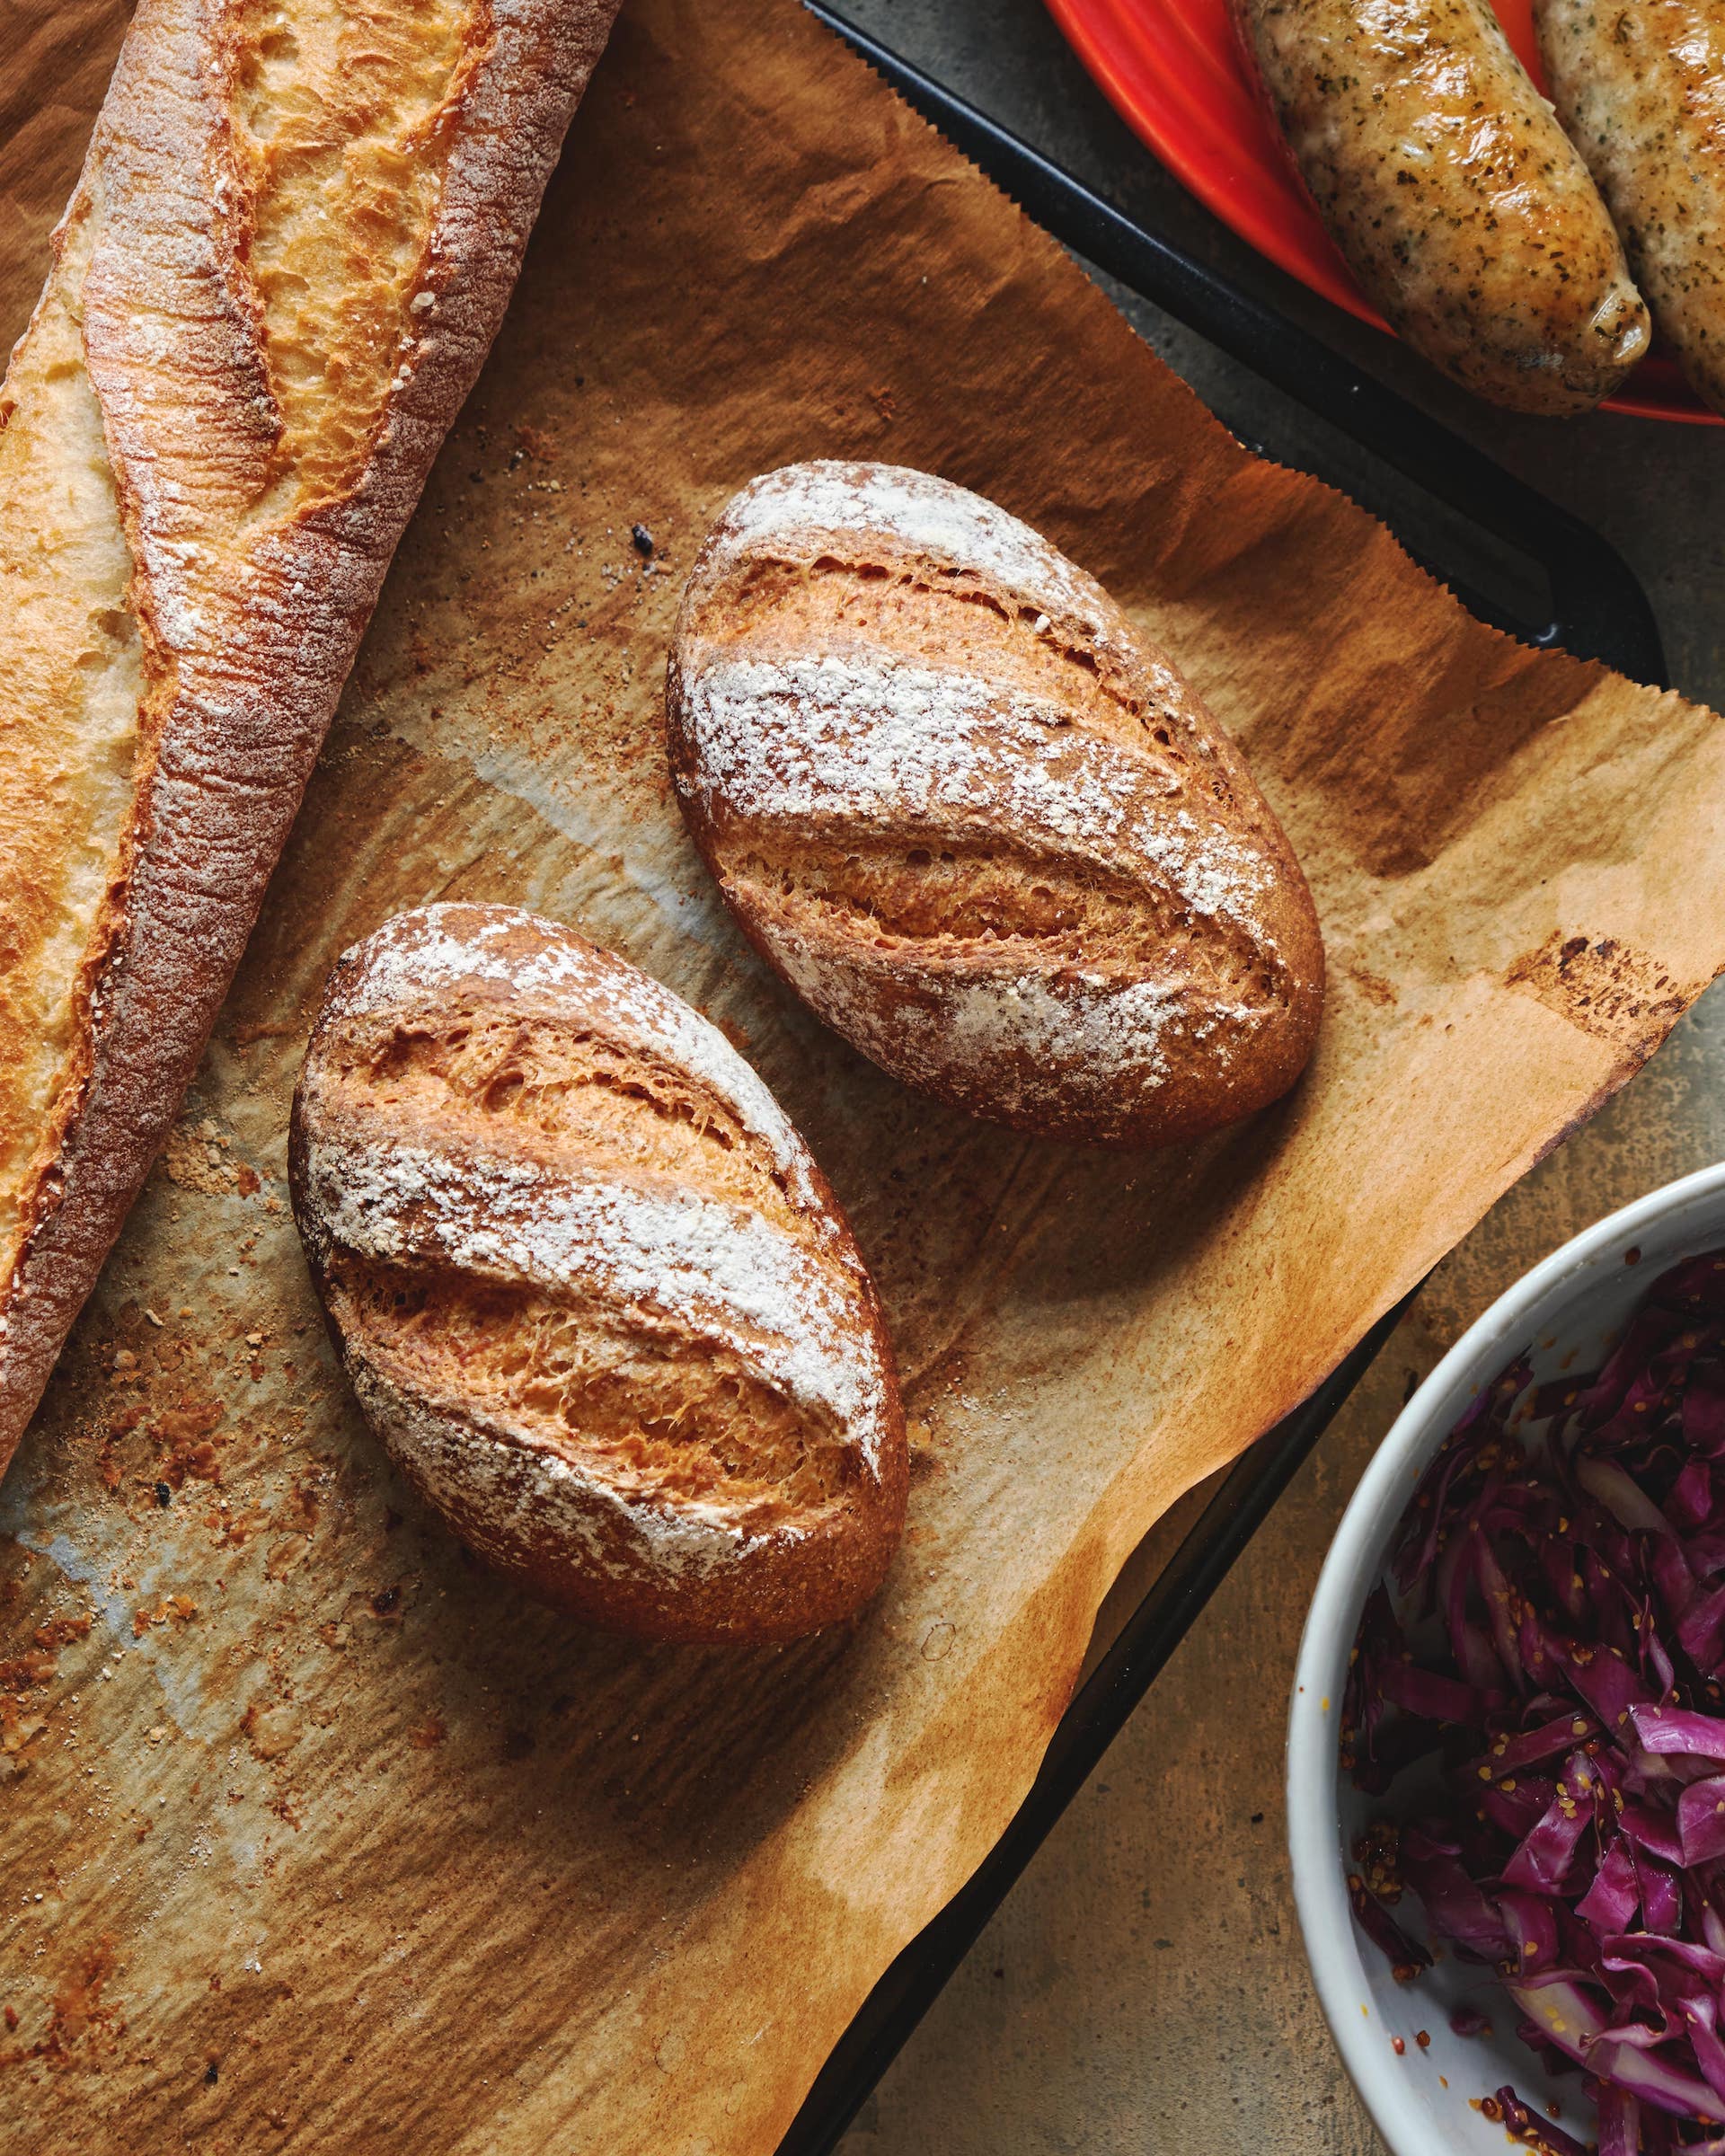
x=1570 y=1305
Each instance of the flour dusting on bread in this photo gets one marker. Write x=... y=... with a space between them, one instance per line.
x=717 y=1272
x=960 y=530
x=976 y=820
x=869 y=737
x=420 y=956
x=589 y=1285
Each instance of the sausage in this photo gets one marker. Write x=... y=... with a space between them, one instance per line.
x=1640 y=87
x=1463 y=209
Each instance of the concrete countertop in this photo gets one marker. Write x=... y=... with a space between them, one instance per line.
x=1143 y=1989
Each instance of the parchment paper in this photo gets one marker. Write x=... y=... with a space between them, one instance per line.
x=314 y=1836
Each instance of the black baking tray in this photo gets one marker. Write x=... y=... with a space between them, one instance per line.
x=1581 y=594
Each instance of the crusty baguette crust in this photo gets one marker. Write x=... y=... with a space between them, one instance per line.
x=983 y=827
x=588 y=1286
x=261 y=515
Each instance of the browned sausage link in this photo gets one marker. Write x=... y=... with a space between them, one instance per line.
x=1444 y=178
x=1640 y=87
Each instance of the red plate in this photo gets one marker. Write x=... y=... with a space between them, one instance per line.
x=1173 y=70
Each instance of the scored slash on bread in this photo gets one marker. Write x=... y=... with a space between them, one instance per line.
x=589 y=1287
x=984 y=828
x=294 y=237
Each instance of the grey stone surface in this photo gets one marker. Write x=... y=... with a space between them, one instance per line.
x=1143 y=1989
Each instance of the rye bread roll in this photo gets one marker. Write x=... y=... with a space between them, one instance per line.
x=292 y=241
x=976 y=821
x=588 y=1286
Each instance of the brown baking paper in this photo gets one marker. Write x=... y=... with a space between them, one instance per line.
x=315 y=1836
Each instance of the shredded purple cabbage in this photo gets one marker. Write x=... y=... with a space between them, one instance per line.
x=1556 y=1653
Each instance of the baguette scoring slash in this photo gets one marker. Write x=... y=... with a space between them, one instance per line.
x=1443 y=176
x=293 y=239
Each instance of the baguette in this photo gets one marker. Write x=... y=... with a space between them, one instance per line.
x=292 y=241
x=589 y=1287
x=976 y=822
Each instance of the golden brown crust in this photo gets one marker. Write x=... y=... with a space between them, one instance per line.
x=589 y=1287
x=295 y=235
x=976 y=822
x=1641 y=88
x=1441 y=174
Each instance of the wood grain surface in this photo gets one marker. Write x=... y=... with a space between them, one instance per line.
x=315 y=1836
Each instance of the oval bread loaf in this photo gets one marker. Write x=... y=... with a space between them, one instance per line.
x=589 y=1287
x=976 y=821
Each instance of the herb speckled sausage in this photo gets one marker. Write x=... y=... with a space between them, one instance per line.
x=1445 y=179
x=1640 y=87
